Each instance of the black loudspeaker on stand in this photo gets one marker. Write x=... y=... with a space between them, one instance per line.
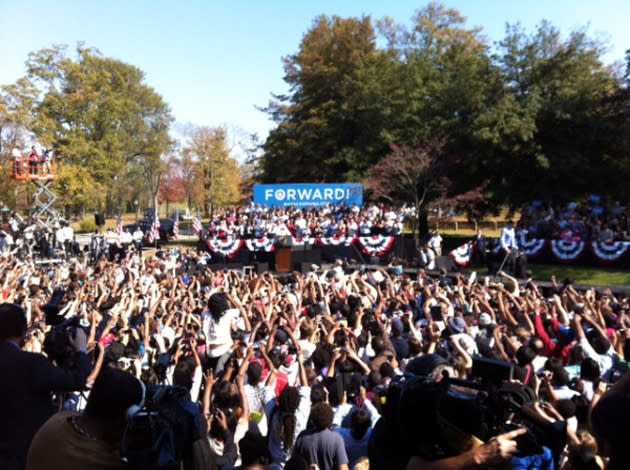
x=262 y=267
x=445 y=262
x=99 y=219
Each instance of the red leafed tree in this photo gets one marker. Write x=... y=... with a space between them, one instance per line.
x=172 y=185
x=413 y=173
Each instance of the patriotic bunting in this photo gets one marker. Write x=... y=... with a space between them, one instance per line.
x=375 y=246
x=567 y=252
x=260 y=244
x=462 y=255
x=532 y=247
x=228 y=247
x=609 y=252
x=336 y=241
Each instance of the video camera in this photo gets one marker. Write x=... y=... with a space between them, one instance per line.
x=57 y=342
x=439 y=419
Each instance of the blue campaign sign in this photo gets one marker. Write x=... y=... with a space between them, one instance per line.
x=308 y=195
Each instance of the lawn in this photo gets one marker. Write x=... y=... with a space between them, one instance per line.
x=585 y=275
x=582 y=274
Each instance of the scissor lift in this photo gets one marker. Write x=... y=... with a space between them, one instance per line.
x=42 y=173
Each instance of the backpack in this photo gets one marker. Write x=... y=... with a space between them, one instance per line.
x=160 y=434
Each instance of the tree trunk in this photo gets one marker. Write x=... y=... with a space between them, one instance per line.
x=423 y=224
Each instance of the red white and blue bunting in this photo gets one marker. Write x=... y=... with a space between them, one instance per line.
x=303 y=241
x=462 y=255
x=533 y=247
x=261 y=244
x=567 y=252
x=375 y=246
x=609 y=252
x=228 y=247
x=335 y=241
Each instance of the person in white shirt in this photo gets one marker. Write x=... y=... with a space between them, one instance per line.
x=435 y=242
x=427 y=257
x=217 y=326
x=508 y=237
x=126 y=239
x=138 y=236
x=508 y=246
x=599 y=348
x=301 y=226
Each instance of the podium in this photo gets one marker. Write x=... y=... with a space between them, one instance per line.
x=284 y=260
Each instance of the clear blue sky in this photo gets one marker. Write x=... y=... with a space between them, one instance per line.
x=213 y=62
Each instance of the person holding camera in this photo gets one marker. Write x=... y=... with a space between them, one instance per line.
x=28 y=380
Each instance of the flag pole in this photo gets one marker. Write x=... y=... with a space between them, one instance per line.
x=156 y=223
x=179 y=244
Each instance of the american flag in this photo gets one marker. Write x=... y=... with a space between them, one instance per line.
x=197 y=226
x=119 y=229
x=176 y=226
x=154 y=234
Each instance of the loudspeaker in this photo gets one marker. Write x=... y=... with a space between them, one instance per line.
x=305 y=267
x=445 y=262
x=262 y=268
x=99 y=219
x=521 y=266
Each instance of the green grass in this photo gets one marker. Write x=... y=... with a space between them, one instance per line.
x=585 y=275
x=582 y=274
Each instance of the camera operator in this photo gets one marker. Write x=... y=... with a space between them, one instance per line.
x=27 y=382
x=493 y=454
x=414 y=435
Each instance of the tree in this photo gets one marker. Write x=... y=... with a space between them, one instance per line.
x=172 y=187
x=413 y=173
x=16 y=102
x=552 y=133
x=328 y=126
x=99 y=116
x=443 y=74
x=193 y=186
x=218 y=171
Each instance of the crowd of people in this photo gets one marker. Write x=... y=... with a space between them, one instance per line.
x=589 y=221
x=344 y=367
x=28 y=239
x=256 y=221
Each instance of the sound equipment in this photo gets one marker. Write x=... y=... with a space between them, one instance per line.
x=99 y=219
x=305 y=267
x=262 y=267
x=445 y=262
x=521 y=266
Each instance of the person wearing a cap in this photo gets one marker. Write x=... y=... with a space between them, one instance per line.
x=461 y=338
